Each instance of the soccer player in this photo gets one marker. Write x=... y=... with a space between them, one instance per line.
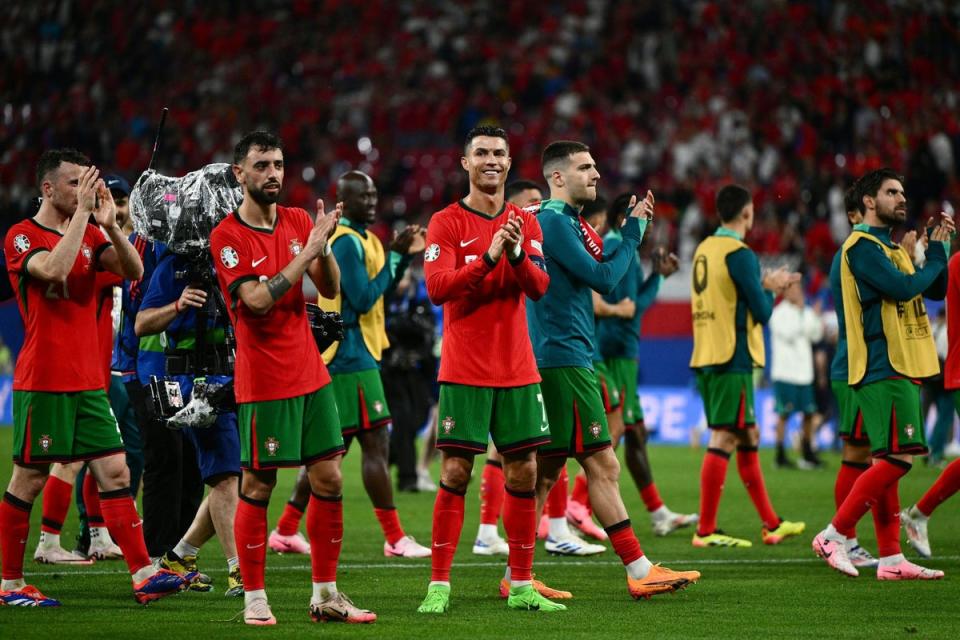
x=915 y=518
x=889 y=346
x=794 y=327
x=522 y=193
x=483 y=259
x=855 y=455
x=61 y=411
x=177 y=305
x=366 y=273
x=617 y=341
x=731 y=300
x=286 y=406
x=562 y=331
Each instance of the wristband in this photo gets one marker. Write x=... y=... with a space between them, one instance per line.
x=176 y=306
x=326 y=250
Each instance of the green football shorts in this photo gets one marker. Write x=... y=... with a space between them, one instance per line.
x=63 y=426
x=624 y=373
x=578 y=422
x=793 y=398
x=514 y=416
x=891 y=415
x=727 y=400
x=289 y=432
x=849 y=419
x=609 y=390
x=361 y=402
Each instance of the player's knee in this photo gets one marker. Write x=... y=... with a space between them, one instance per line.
x=521 y=476
x=603 y=467
x=455 y=476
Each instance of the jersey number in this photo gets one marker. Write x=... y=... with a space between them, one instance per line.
x=53 y=294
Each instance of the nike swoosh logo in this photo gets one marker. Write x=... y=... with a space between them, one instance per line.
x=544 y=427
x=440 y=544
x=335 y=540
x=255 y=546
x=137 y=524
x=526 y=546
x=468 y=242
x=256 y=262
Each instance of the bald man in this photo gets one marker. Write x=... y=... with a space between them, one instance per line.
x=366 y=273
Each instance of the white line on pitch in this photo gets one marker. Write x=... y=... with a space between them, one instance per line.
x=685 y=562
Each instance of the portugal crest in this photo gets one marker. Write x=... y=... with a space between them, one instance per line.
x=295 y=247
x=448 y=424
x=272 y=445
x=45 y=442
x=595 y=429
x=377 y=406
x=910 y=430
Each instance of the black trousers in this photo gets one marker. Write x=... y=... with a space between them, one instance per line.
x=172 y=486
x=408 y=394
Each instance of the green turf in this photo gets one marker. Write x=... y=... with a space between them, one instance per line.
x=762 y=592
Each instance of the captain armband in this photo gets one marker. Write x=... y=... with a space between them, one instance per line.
x=277 y=286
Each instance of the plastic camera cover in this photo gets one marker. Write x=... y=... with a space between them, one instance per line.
x=181 y=212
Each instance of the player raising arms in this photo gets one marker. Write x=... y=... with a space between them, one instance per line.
x=889 y=347
x=286 y=409
x=483 y=258
x=61 y=411
x=562 y=329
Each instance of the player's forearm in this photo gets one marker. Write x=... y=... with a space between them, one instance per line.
x=869 y=264
x=648 y=291
x=533 y=279
x=260 y=297
x=602 y=308
x=129 y=264
x=55 y=265
x=325 y=273
x=444 y=285
x=359 y=291
x=155 y=320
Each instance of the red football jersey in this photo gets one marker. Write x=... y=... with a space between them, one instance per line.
x=277 y=357
x=951 y=369
x=485 y=337
x=60 y=348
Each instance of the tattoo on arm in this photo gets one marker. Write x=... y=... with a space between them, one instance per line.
x=277 y=286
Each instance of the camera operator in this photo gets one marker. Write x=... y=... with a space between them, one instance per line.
x=180 y=305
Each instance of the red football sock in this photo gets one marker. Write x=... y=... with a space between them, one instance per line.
x=946 y=485
x=748 y=464
x=556 y=506
x=289 y=522
x=14 y=530
x=624 y=541
x=651 y=497
x=491 y=492
x=91 y=500
x=713 y=474
x=848 y=474
x=56 y=503
x=447 y=524
x=250 y=534
x=581 y=491
x=124 y=524
x=390 y=523
x=886 y=519
x=868 y=490
x=520 y=524
x=325 y=531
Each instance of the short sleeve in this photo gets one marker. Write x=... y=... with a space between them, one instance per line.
x=22 y=243
x=231 y=257
x=94 y=237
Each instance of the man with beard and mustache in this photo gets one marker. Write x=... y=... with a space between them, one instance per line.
x=286 y=407
x=366 y=273
x=889 y=348
x=562 y=331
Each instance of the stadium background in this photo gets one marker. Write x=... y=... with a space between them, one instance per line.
x=792 y=99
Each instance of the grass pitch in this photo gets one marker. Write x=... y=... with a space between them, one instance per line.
x=762 y=592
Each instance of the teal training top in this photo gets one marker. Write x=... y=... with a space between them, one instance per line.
x=839 y=368
x=877 y=278
x=562 y=323
x=744 y=269
x=359 y=293
x=617 y=337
